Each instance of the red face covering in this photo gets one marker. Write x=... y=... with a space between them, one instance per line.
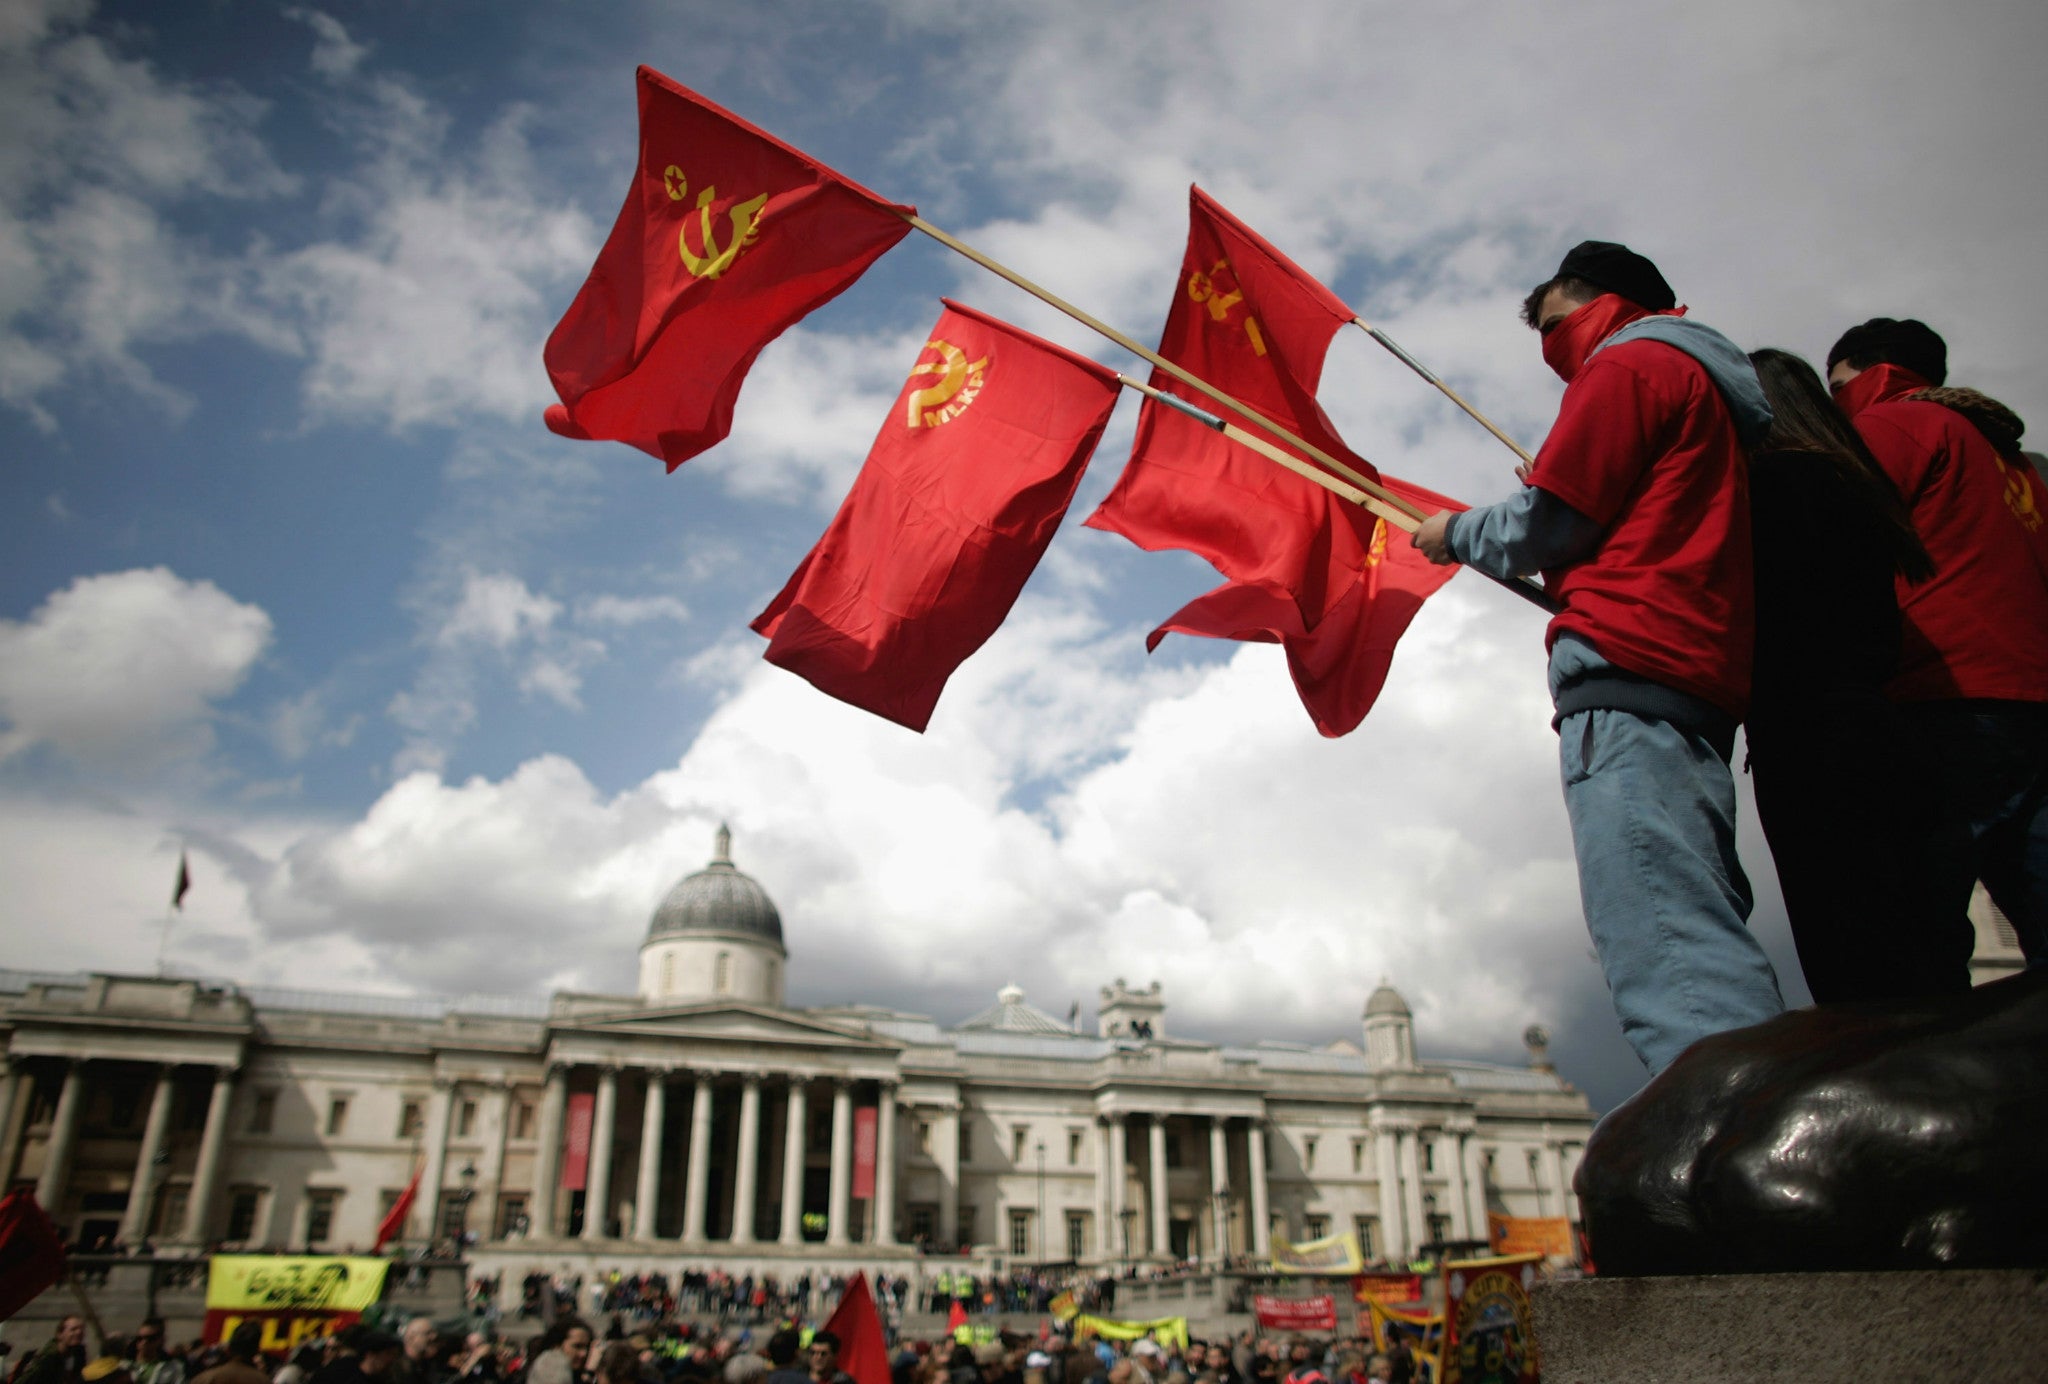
x=1570 y=342
x=1874 y=386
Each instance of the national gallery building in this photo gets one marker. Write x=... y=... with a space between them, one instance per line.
x=705 y=1119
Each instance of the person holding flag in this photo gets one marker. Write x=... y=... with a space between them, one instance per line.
x=1637 y=512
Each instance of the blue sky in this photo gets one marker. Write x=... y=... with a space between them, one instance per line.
x=296 y=581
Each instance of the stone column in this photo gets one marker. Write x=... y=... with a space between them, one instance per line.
x=63 y=1140
x=1475 y=1188
x=547 y=1151
x=946 y=1151
x=142 y=1188
x=883 y=1231
x=840 y=1207
x=1161 y=1242
x=1262 y=1213
x=1119 y=1181
x=1105 y=1237
x=746 y=1175
x=1461 y=1201
x=1557 y=1197
x=12 y=1084
x=495 y=1117
x=206 y=1176
x=426 y=1208
x=1393 y=1222
x=647 y=1195
x=1411 y=1189
x=597 y=1189
x=1219 y=1188
x=794 y=1121
x=696 y=1189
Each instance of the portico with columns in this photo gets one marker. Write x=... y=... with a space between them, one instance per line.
x=706 y=1120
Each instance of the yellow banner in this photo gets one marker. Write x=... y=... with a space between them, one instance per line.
x=1169 y=1331
x=1063 y=1307
x=277 y=1282
x=1331 y=1254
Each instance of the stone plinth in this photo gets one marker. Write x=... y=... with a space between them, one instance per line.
x=1982 y=1326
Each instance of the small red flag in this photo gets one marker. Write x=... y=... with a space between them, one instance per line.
x=183 y=886
x=966 y=483
x=863 y=1349
x=393 y=1224
x=1341 y=663
x=727 y=237
x=956 y=1318
x=1256 y=325
x=31 y=1251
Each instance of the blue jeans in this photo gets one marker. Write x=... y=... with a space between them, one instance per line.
x=1652 y=809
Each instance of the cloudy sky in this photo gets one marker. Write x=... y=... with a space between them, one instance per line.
x=295 y=580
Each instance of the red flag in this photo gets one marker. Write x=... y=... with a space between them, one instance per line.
x=184 y=884
x=31 y=1251
x=966 y=483
x=1252 y=323
x=863 y=1350
x=1256 y=325
x=956 y=1318
x=393 y=1223
x=1341 y=663
x=727 y=237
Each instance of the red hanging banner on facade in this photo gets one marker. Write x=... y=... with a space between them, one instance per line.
x=576 y=1161
x=864 y=1151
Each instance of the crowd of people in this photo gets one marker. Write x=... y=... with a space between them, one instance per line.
x=673 y=1350
x=1853 y=570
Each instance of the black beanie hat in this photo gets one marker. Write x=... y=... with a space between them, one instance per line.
x=1618 y=269
x=1910 y=343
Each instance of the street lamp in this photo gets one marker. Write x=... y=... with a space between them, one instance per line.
x=1041 y=1202
x=459 y=1201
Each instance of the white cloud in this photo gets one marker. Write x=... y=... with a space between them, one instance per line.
x=498 y=610
x=631 y=610
x=429 y=305
x=101 y=151
x=125 y=666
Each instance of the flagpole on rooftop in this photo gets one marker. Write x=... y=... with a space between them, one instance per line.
x=1449 y=393
x=1521 y=586
x=1145 y=353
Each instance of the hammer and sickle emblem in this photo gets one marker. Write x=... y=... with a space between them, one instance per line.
x=715 y=260
x=2019 y=497
x=956 y=376
x=1376 y=551
x=1208 y=290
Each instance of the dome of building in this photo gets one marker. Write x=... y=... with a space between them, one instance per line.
x=1387 y=1000
x=717 y=899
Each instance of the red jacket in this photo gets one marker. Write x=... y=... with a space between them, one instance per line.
x=1644 y=444
x=1979 y=626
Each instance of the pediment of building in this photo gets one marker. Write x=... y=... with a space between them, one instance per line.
x=718 y=1023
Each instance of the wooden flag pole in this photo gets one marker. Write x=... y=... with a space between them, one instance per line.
x=1399 y=518
x=1449 y=393
x=1343 y=490
x=1094 y=324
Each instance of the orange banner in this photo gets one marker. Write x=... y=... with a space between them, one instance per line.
x=1549 y=1236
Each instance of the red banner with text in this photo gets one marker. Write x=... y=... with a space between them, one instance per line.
x=1386 y=1287
x=1295 y=1314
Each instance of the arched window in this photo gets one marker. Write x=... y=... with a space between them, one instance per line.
x=770 y=974
x=668 y=973
x=721 y=974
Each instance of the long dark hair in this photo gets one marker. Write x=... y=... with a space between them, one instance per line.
x=1804 y=419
